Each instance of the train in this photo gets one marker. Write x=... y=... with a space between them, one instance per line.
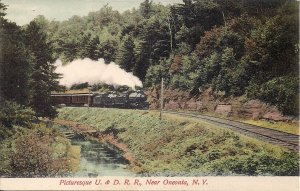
x=129 y=100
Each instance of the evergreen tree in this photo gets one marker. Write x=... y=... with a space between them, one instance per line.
x=146 y=9
x=125 y=56
x=107 y=50
x=142 y=61
x=92 y=49
x=198 y=16
x=43 y=78
x=14 y=66
x=89 y=47
x=2 y=10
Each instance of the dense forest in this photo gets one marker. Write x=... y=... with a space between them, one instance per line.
x=27 y=147
x=244 y=48
x=238 y=48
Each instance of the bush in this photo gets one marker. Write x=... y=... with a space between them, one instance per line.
x=5 y=132
x=36 y=154
x=13 y=114
x=258 y=164
x=282 y=92
x=5 y=158
x=113 y=130
x=174 y=145
x=214 y=154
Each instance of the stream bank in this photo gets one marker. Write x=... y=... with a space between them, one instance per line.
x=98 y=151
x=179 y=146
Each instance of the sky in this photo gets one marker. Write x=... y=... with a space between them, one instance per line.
x=23 y=11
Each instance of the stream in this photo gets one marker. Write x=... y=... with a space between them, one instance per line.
x=98 y=159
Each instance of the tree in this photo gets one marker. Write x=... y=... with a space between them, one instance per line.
x=230 y=76
x=2 y=10
x=125 y=56
x=89 y=47
x=146 y=9
x=156 y=72
x=108 y=49
x=14 y=65
x=198 y=16
x=43 y=77
x=261 y=7
x=142 y=61
x=281 y=92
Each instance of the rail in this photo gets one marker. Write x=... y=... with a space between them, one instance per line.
x=275 y=137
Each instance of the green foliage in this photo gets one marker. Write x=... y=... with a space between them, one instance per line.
x=95 y=37
x=230 y=39
x=2 y=10
x=90 y=47
x=125 y=56
x=276 y=43
x=36 y=153
x=146 y=9
x=230 y=76
x=79 y=86
x=43 y=78
x=14 y=118
x=234 y=47
x=108 y=49
x=257 y=7
x=15 y=66
x=113 y=130
x=5 y=132
x=176 y=146
x=281 y=92
x=214 y=154
x=13 y=114
x=180 y=82
x=156 y=73
x=26 y=78
x=273 y=59
x=198 y=16
x=258 y=164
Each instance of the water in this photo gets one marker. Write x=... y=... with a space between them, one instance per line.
x=97 y=158
x=100 y=159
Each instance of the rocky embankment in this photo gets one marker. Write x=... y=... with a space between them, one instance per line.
x=207 y=102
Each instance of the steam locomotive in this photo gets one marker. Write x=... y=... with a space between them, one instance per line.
x=132 y=99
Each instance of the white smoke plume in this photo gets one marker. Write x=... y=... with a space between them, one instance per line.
x=93 y=72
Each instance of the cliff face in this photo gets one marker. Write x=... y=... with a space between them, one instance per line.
x=207 y=102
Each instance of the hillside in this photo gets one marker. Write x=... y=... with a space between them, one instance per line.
x=232 y=49
x=181 y=146
x=241 y=48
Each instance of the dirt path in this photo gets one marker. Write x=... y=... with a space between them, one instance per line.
x=109 y=138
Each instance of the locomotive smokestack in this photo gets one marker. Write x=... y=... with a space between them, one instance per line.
x=93 y=72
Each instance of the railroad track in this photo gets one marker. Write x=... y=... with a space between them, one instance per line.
x=275 y=137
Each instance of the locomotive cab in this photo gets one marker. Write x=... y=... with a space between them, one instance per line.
x=138 y=100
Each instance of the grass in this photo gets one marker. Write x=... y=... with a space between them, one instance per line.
x=288 y=127
x=292 y=128
x=182 y=146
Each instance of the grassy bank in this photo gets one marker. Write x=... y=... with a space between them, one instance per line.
x=292 y=128
x=288 y=127
x=181 y=146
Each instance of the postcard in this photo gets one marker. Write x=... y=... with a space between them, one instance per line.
x=149 y=95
